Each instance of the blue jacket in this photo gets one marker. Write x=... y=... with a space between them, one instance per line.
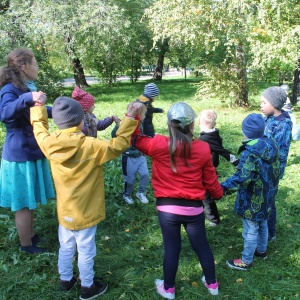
x=280 y=129
x=20 y=144
x=256 y=180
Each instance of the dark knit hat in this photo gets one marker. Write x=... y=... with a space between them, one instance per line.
x=66 y=112
x=276 y=96
x=151 y=90
x=253 y=126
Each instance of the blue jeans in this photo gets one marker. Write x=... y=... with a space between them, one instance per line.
x=255 y=236
x=170 y=225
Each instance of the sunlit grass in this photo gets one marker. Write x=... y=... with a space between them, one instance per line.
x=129 y=244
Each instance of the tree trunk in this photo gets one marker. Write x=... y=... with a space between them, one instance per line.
x=78 y=71
x=79 y=76
x=160 y=60
x=296 y=84
x=242 y=80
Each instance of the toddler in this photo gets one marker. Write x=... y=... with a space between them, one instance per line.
x=210 y=134
x=256 y=183
x=77 y=168
x=278 y=125
x=134 y=162
x=91 y=123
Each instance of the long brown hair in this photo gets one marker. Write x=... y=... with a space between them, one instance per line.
x=12 y=72
x=180 y=144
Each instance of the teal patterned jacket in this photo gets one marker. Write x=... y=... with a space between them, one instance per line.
x=280 y=129
x=256 y=179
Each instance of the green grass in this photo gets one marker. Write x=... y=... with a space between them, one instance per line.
x=129 y=243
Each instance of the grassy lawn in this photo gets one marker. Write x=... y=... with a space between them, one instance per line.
x=129 y=243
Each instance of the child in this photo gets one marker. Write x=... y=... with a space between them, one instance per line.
x=134 y=162
x=150 y=92
x=91 y=123
x=182 y=171
x=278 y=125
x=76 y=162
x=25 y=177
x=256 y=183
x=288 y=108
x=210 y=134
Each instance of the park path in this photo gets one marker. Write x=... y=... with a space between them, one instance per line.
x=94 y=80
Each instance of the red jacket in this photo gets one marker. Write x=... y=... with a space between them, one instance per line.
x=188 y=182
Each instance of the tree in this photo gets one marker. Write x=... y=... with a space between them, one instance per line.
x=249 y=32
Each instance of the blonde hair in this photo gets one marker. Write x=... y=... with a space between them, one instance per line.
x=208 y=117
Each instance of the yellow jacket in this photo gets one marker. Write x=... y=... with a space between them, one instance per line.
x=76 y=164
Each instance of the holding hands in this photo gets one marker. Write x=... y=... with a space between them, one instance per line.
x=134 y=109
x=39 y=98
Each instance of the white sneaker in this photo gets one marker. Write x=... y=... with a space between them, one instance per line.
x=167 y=294
x=128 y=199
x=213 y=288
x=142 y=198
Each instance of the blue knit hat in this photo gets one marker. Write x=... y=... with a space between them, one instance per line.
x=151 y=90
x=253 y=126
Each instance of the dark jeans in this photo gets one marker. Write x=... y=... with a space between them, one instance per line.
x=170 y=225
x=272 y=221
x=211 y=210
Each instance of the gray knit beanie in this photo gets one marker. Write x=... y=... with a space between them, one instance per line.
x=253 y=126
x=276 y=96
x=151 y=90
x=66 y=112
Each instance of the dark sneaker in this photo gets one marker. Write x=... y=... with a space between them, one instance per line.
x=238 y=264
x=66 y=286
x=33 y=249
x=261 y=255
x=96 y=289
x=36 y=239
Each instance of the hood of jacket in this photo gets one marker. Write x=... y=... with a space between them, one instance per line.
x=265 y=148
x=67 y=144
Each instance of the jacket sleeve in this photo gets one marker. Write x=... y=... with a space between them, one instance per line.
x=247 y=169
x=39 y=122
x=103 y=124
x=116 y=146
x=13 y=105
x=157 y=110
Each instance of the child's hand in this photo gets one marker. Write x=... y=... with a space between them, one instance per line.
x=134 y=109
x=116 y=120
x=39 y=98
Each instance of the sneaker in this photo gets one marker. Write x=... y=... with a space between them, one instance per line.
x=96 y=289
x=262 y=255
x=36 y=239
x=238 y=264
x=66 y=285
x=33 y=249
x=213 y=288
x=212 y=224
x=128 y=199
x=142 y=198
x=167 y=294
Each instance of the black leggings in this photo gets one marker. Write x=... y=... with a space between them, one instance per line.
x=170 y=225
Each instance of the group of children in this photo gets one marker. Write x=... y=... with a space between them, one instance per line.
x=184 y=178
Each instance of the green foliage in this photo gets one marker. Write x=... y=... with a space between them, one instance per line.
x=129 y=244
